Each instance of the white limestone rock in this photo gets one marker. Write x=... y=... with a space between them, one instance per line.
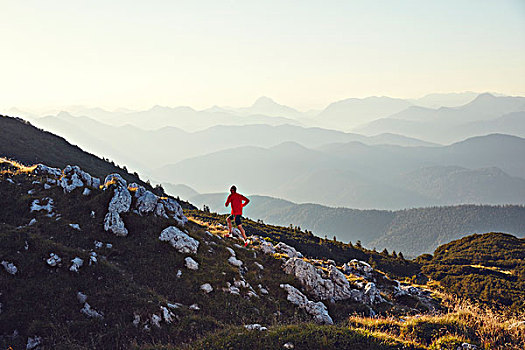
x=372 y=294
x=207 y=288
x=120 y=203
x=77 y=263
x=47 y=186
x=31 y=191
x=194 y=307
x=287 y=250
x=234 y=261
x=9 y=267
x=33 y=342
x=255 y=327
x=155 y=319
x=75 y=226
x=317 y=309
x=232 y=252
x=259 y=265
x=53 y=260
x=92 y=258
x=86 y=192
x=38 y=205
x=191 y=264
x=42 y=169
x=267 y=247
x=146 y=203
x=91 y=313
x=81 y=297
x=167 y=314
x=179 y=240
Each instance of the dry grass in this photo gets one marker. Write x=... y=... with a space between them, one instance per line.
x=463 y=322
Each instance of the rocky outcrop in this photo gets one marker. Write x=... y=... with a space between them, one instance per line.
x=147 y=203
x=179 y=240
x=287 y=250
x=317 y=309
x=120 y=203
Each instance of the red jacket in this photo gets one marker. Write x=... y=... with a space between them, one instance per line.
x=237 y=201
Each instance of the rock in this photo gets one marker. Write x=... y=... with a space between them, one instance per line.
x=232 y=252
x=86 y=192
x=77 y=263
x=81 y=297
x=288 y=346
x=47 y=186
x=237 y=233
x=33 y=343
x=155 y=319
x=75 y=226
x=98 y=244
x=173 y=209
x=53 y=260
x=32 y=191
x=91 y=313
x=207 y=288
x=179 y=240
x=9 y=267
x=92 y=258
x=109 y=245
x=146 y=203
x=92 y=214
x=73 y=178
x=120 y=203
x=359 y=268
x=259 y=265
x=255 y=327
x=287 y=250
x=175 y=305
x=136 y=320
x=467 y=346
x=42 y=169
x=179 y=273
x=317 y=309
x=32 y=222
x=167 y=314
x=26 y=246
x=372 y=295
x=37 y=206
x=191 y=264
x=194 y=307
x=234 y=261
x=262 y=289
x=267 y=247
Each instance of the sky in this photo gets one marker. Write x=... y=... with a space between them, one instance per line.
x=305 y=54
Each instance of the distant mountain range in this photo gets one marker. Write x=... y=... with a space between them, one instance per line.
x=486 y=169
x=413 y=231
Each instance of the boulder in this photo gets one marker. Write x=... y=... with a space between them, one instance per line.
x=42 y=169
x=287 y=250
x=317 y=309
x=179 y=240
x=372 y=295
x=120 y=203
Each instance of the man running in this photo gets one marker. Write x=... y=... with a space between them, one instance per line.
x=237 y=201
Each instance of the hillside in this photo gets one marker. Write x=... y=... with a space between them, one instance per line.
x=114 y=266
x=30 y=145
x=487 y=268
x=413 y=231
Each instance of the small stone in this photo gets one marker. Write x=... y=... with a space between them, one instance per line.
x=288 y=346
x=179 y=240
x=9 y=267
x=86 y=192
x=92 y=214
x=33 y=342
x=75 y=226
x=98 y=244
x=167 y=314
x=175 y=305
x=155 y=319
x=194 y=307
x=179 y=273
x=47 y=186
x=81 y=297
x=136 y=320
x=191 y=264
x=31 y=192
x=109 y=245
x=89 y=312
x=32 y=222
x=234 y=261
x=207 y=288
x=53 y=260
x=77 y=263
x=232 y=252
x=255 y=327
x=259 y=265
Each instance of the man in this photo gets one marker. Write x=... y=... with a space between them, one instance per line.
x=237 y=201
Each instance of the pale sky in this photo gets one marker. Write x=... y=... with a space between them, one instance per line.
x=304 y=54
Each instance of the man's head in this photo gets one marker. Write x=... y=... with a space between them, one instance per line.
x=233 y=189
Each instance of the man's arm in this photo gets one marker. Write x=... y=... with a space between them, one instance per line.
x=245 y=201
x=228 y=200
